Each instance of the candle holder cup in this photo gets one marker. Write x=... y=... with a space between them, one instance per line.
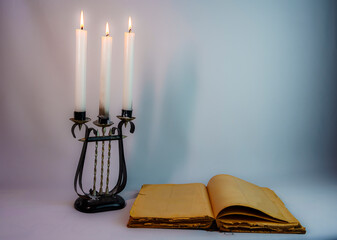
x=99 y=200
x=80 y=116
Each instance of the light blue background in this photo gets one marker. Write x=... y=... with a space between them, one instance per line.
x=246 y=88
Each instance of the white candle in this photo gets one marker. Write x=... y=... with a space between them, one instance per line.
x=81 y=67
x=106 y=50
x=129 y=40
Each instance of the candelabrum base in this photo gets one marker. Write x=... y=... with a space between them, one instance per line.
x=101 y=204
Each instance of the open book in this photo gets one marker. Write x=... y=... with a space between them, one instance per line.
x=227 y=204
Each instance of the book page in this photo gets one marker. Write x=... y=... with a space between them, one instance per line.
x=226 y=191
x=172 y=201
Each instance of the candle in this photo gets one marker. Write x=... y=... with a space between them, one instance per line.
x=129 y=40
x=106 y=50
x=81 y=64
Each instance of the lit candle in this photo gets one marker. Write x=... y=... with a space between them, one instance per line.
x=81 y=65
x=106 y=50
x=129 y=40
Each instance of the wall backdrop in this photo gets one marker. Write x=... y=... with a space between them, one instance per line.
x=246 y=88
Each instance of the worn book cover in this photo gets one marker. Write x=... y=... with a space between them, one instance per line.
x=227 y=204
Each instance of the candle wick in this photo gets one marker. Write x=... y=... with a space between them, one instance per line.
x=130 y=30
x=107 y=35
x=81 y=28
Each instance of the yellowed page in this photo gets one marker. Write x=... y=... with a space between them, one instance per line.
x=172 y=201
x=226 y=190
x=256 y=226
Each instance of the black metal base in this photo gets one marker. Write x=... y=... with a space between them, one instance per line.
x=101 y=204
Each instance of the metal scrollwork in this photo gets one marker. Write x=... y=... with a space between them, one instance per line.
x=96 y=201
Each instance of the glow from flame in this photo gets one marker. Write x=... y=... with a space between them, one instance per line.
x=107 y=29
x=130 y=24
x=82 y=21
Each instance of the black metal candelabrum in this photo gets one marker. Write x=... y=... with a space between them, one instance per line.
x=99 y=199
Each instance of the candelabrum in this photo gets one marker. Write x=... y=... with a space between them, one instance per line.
x=99 y=199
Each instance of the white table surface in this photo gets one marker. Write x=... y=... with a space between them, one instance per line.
x=48 y=214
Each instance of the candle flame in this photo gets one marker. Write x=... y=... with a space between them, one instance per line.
x=130 y=24
x=107 y=29
x=82 y=21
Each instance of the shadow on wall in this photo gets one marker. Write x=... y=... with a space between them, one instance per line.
x=161 y=147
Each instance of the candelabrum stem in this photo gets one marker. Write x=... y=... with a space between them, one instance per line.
x=102 y=164
x=95 y=165
x=108 y=166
